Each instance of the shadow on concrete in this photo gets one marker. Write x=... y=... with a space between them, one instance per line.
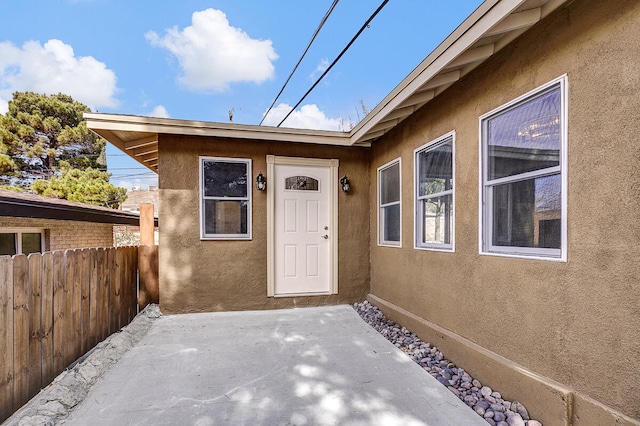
x=309 y=366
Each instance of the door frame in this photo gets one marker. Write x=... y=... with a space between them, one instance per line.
x=332 y=164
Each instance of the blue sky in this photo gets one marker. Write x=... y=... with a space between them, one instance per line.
x=197 y=60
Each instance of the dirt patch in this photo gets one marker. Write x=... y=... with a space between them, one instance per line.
x=54 y=403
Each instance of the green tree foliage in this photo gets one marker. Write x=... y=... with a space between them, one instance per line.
x=89 y=186
x=39 y=131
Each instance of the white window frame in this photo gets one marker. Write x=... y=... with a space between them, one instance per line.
x=18 y=236
x=205 y=236
x=485 y=186
x=382 y=242
x=418 y=223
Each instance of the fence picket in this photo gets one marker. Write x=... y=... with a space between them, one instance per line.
x=59 y=317
x=93 y=298
x=6 y=337
x=46 y=297
x=85 y=260
x=35 y=322
x=21 y=301
x=56 y=306
x=76 y=306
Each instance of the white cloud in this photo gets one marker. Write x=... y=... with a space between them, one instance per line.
x=322 y=67
x=159 y=111
x=130 y=185
x=307 y=117
x=52 y=68
x=213 y=54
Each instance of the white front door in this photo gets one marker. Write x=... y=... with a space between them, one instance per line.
x=302 y=229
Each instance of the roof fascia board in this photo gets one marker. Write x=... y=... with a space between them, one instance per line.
x=482 y=20
x=29 y=209
x=199 y=128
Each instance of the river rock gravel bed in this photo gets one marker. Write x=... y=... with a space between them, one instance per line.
x=485 y=401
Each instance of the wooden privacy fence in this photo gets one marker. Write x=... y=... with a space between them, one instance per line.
x=56 y=306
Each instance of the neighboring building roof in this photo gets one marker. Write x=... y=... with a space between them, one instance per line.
x=141 y=196
x=18 y=204
x=492 y=26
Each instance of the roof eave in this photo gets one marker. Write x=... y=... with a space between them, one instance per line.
x=461 y=52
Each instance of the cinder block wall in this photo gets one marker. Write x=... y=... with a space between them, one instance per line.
x=65 y=234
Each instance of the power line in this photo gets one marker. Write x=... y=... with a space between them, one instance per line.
x=364 y=26
x=324 y=19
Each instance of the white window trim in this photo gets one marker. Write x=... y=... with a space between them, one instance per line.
x=417 y=228
x=484 y=222
x=20 y=231
x=381 y=242
x=203 y=235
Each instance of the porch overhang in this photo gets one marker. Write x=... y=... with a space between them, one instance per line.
x=491 y=27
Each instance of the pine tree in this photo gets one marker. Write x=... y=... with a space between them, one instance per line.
x=39 y=131
x=89 y=186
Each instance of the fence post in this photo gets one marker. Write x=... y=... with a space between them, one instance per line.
x=147 y=258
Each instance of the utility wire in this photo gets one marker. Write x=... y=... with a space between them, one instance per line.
x=324 y=19
x=364 y=26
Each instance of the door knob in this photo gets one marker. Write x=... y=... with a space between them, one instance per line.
x=326 y=237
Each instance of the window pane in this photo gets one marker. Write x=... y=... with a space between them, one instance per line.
x=7 y=244
x=224 y=179
x=435 y=171
x=525 y=138
x=437 y=220
x=31 y=242
x=301 y=183
x=390 y=223
x=528 y=213
x=390 y=184
x=225 y=217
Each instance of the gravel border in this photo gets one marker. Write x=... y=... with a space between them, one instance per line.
x=54 y=403
x=486 y=402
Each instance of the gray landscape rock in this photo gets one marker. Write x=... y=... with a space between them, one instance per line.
x=520 y=409
x=482 y=399
x=515 y=420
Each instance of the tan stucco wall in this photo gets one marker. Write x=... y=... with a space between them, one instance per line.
x=576 y=323
x=200 y=275
x=65 y=234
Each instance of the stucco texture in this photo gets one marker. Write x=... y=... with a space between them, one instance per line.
x=204 y=276
x=576 y=322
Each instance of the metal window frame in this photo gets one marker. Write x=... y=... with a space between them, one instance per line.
x=381 y=218
x=418 y=229
x=203 y=198
x=486 y=186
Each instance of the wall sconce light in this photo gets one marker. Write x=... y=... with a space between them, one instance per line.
x=261 y=182
x=346 y=185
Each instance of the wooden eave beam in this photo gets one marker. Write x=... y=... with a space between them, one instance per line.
x=516 y=21
x=419 y=98
x=473 y=55
x=149 y=158
x=441 y=80
x=144 y=151
x=137 y=143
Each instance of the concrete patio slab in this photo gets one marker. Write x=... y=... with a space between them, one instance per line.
x=308 y=366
